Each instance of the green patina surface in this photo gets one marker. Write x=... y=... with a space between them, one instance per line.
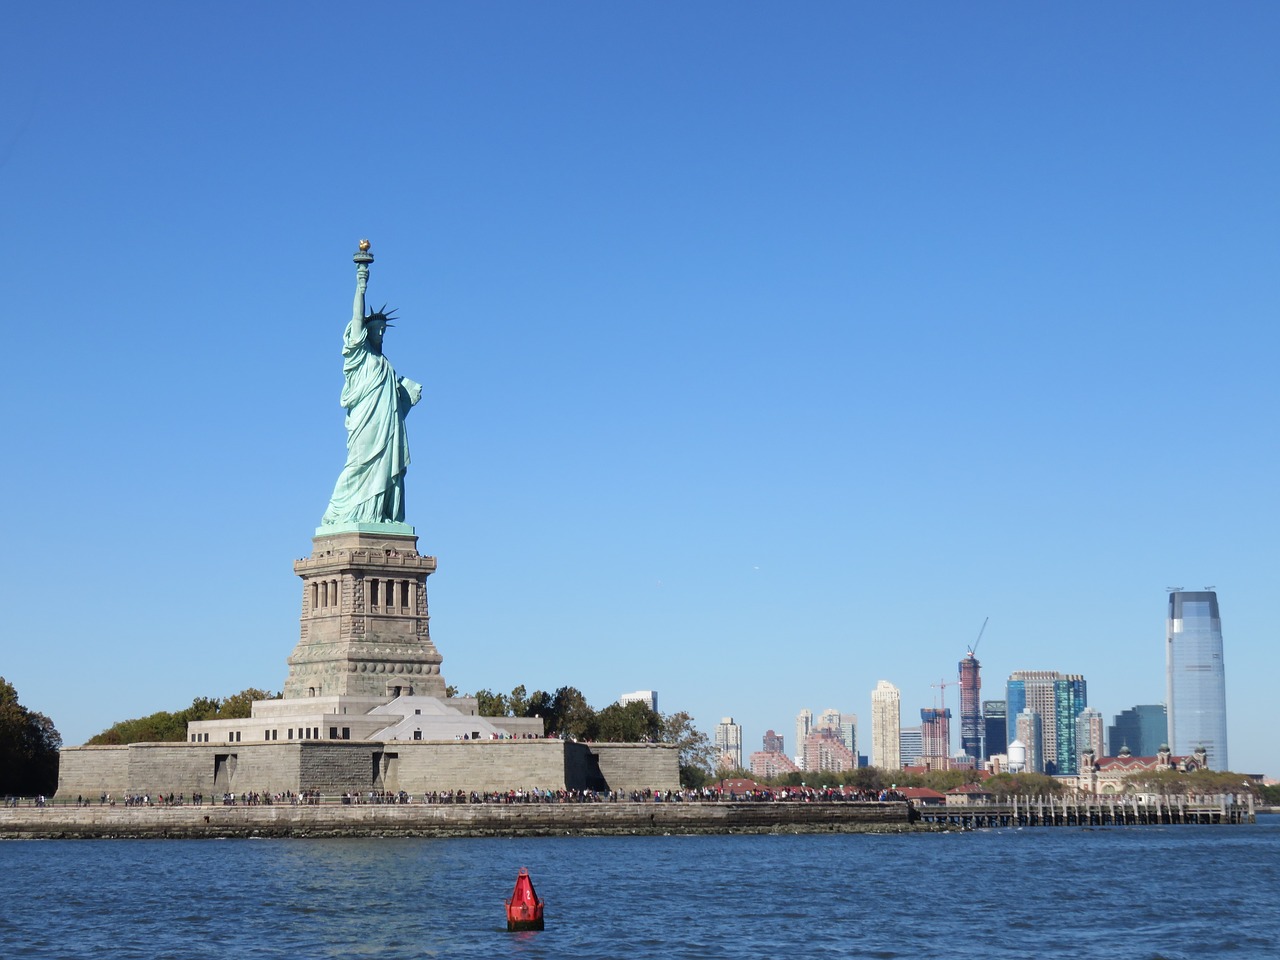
x=387 y=527
x=370 y=489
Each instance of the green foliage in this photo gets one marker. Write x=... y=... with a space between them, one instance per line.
x=628 y=723
x=1270 y=794
x=696 y=750
x=1173 y=783
x=940 y=780
x=491 y=704
x=239 y=706
x=574 y=717
x=1024 y=785
x=29 y=745
x=518 y=702
x=566 y=713
x=166 y=727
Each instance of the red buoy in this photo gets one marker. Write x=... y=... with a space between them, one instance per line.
x=524 y=909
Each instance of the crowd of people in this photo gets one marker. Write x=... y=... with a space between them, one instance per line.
x=709 y=794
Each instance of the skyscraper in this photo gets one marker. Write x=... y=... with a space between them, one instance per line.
x=1069 y=702
x=772 y=742
x=1195 y=678
x=804 y=723
x=729 y=744
x=886 y=726
x=935 y=735
x=971 y=732
x=1058 y=698
x=910 y=745
x=1142 y=729
x=843 y=725
x=996 y=735
x=1029 y=726
x=1089 y=729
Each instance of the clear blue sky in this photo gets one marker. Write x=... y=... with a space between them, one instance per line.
x=768 y=348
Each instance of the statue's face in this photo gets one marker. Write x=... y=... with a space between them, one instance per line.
x=377 y=330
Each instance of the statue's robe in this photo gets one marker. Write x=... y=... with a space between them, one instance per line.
x=371 y=485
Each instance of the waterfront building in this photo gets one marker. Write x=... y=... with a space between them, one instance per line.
x=729 y=744
x=1029 y=726
x=910 y=746
x=1142 y=728
x=772 y=742
x=1058 y=698
x=648 y=697
x=971 y=727
x=886 y=726
x=1195 y=677
x=995 y=736
x=1107 y=775
x=935 y=736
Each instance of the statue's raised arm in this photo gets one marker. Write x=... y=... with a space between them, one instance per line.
x=370 y=488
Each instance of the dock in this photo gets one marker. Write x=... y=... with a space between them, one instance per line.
x=1085 y=811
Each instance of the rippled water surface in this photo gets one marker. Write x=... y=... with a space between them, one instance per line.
x=1175 y=893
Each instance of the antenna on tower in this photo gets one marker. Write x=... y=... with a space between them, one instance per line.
x=1174 y=589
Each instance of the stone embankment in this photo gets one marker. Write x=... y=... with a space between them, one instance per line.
x=451 y=820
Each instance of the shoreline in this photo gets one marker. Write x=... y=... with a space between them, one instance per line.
x=454 y=820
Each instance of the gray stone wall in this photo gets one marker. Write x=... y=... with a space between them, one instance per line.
x=637 y=766
x=92 y=771
x=335 y=767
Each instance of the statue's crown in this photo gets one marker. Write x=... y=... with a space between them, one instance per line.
x=385 y=315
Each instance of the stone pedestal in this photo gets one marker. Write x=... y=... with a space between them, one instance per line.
x=364 y=616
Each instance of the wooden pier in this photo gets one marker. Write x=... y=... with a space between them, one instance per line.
x=1085 y=811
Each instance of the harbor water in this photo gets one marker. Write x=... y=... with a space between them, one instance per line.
x=1147 y=893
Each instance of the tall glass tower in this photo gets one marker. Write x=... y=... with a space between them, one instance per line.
x=1195 y=680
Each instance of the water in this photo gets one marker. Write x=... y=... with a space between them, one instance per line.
x=1148 y=893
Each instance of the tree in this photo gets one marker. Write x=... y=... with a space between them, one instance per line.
x=634 y=722
x=29 y=745
x=518 y=702
x=696 y=750
x=1024 y=785
x=491 y=704
x=166 y=727
x=239 y=706
x=1173 y=783
x=574 y=716
x=539 y=705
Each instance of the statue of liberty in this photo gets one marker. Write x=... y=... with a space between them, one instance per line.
x=370 y=488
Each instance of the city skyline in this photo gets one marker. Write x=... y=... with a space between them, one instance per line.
x=1047 y=711
x=765 y=352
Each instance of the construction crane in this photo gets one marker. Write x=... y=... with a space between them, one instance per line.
x=974 y=649
x=943 y=684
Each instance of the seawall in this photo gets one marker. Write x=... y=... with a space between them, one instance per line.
x=451 y=820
